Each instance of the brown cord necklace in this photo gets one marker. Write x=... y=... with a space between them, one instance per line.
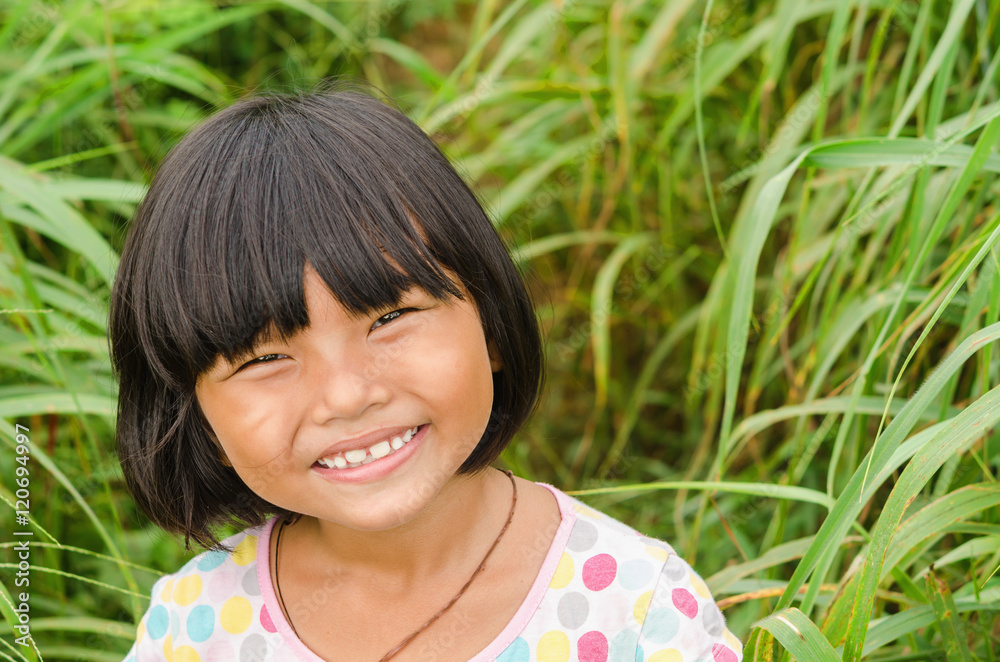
x=405 y=642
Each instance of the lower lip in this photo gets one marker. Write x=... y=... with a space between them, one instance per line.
x=376 y=469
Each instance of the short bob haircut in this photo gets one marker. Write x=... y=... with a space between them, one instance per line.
x=216 y=257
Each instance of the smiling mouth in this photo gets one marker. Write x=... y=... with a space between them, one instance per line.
x=355 y=458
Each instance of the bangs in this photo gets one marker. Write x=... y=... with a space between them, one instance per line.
x=282 y=192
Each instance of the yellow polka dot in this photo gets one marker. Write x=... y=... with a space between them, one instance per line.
x=586 y=511
x=564 y=572
x=733 y=642
x=168 y=589
x=246 y=551
x=553 y=647
x=666 y=655
x=642 y=606
x=236 y=614
x=657 y=553
x=699 y=585
x=186 y=654
x=168 y=649
x=140 y=631
x=187 y=590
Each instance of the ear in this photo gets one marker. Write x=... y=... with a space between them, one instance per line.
x=496 y=363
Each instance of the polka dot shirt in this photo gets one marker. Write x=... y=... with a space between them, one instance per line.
x=605 y=593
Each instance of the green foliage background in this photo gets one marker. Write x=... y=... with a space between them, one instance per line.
x=762 y=237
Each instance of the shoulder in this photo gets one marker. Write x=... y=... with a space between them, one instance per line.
x=682 y=617
x=595 y=531
x=238 y=557
x=633 y=596
x=214 y=597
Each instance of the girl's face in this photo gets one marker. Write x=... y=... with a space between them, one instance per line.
x=346 y=390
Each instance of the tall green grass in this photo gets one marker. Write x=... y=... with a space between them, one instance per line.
x=762 y=238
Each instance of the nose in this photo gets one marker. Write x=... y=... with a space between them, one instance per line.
x=348 y=387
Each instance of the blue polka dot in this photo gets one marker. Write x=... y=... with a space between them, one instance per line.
x=156 y=624
x=200 y=623
x=635 y=574
x=661 y=625
x=518 y=651
x=211 y=560
x=622 y=646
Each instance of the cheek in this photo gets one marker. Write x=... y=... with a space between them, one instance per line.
x=246 y=425
x=452 y=360
x=454 y=373
x=264 y=479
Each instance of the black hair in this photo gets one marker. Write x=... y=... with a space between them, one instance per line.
x=216 y=257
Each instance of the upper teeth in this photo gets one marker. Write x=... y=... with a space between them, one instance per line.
x=357 y=457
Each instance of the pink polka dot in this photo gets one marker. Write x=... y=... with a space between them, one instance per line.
x=221 y=585
x=722 y=653
x=265 y=619
x=220 y=651
x=599 y=571
x=685 y=602
x=592 y=647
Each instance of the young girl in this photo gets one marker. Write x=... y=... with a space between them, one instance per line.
x=320 y=336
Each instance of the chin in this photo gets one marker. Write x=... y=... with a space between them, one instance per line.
x=380 y=514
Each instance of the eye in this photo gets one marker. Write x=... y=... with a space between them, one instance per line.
x=388 y=317
x=266 y=358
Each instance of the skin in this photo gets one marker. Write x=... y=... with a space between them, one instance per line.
x=417 y=533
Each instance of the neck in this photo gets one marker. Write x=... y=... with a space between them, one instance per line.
x=462 y=520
